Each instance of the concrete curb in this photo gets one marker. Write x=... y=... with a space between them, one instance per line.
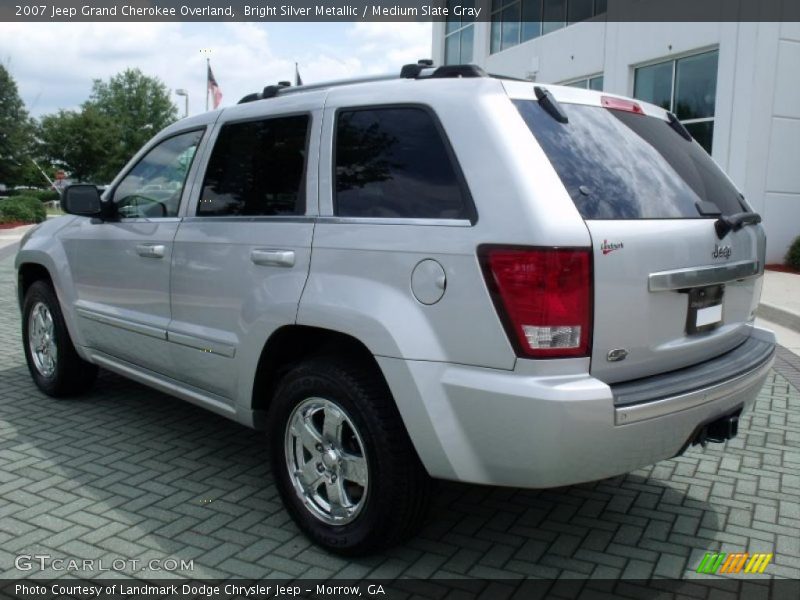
x=779 y=315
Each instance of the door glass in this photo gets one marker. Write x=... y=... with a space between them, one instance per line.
x=257 y=169
x=153 y=187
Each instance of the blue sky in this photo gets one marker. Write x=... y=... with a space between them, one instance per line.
x=54 y=63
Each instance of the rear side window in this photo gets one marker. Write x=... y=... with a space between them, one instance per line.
x=621 y=165
x=393 y=162
x=257 y=168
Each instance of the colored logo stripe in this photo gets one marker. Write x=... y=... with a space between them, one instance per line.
x=721 y=562
x=734 y=563
x=758 y=563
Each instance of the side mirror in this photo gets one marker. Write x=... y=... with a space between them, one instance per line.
x=83 y=200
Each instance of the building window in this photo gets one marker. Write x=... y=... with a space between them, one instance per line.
x=459 y=35
x=517 y=21
x=687 y=87
x=587 y=83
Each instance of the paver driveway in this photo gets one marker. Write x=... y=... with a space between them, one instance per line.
x=129 y=473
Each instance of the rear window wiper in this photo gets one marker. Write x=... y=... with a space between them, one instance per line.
x=735 y=222
x=548 y=102
x=679 y=127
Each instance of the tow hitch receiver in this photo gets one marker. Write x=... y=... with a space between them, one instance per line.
x=718 y=431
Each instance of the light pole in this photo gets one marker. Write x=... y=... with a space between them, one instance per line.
x=185 y=94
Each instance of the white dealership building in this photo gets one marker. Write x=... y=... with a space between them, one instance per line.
x=735 y=85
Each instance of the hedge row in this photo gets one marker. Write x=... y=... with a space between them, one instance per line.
x=27 y=209
x=42 y=195
x=793 y=256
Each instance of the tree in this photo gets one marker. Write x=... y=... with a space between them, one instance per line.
x=16 y=132
x=82 y=143
x=138 y=106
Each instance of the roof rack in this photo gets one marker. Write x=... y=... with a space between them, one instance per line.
x=422 y=69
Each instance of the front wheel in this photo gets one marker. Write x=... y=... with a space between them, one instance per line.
x=342 y=459
x=52 y=360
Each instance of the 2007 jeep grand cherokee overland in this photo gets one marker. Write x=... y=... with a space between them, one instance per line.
x=437 y=275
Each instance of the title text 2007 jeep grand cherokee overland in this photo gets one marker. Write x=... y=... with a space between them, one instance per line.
x=442 y=275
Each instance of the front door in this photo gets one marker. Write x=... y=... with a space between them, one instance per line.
x=121 y=267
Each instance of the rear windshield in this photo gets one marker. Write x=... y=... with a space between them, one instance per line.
x=622 y=165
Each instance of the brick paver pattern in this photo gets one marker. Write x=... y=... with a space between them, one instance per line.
x=128 y=473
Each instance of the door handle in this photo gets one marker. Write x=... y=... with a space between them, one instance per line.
x=273 y=258
x=150 y=250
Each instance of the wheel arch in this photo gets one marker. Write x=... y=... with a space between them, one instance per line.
x=27 y=274
x=290 y=344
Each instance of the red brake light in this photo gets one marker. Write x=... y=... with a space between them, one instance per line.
x=620 y=104
x=543 y=297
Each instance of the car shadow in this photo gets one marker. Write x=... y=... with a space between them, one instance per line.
x=125 y=471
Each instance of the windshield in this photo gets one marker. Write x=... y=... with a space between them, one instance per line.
x=621 y=165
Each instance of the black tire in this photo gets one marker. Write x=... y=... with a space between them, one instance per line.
x=72 y=375
x=399 y=489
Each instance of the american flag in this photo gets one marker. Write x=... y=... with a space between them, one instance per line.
x=213 y=87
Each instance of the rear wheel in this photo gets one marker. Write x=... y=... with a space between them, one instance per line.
x=52 y=360
x=342 y=459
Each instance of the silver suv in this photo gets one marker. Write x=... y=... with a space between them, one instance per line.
x=438 y=275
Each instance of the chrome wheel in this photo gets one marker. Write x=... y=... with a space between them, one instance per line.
x=326 y=461
x=41 y=339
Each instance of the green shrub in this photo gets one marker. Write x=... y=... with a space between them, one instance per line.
x=27 y=209
x=41 y=195
x=793 y=255
x=45 y=195
x=36 y=206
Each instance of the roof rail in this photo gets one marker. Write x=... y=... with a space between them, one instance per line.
x=423 y=69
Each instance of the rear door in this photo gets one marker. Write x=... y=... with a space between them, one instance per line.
x=242 y=253
x=668 y=290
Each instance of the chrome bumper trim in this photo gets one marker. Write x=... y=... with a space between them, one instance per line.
x=658 y=408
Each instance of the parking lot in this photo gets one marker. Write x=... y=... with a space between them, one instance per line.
x=128 y=474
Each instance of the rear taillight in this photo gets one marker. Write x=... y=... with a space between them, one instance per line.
x=543 y=297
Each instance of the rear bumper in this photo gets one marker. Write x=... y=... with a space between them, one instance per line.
x=536 y=429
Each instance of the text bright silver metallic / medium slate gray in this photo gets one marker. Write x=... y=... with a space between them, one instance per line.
x=467 y=278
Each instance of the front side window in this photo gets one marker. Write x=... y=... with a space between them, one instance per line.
x=257 y=168
x=154 y=186
x=687 y=87
x=393 y=163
